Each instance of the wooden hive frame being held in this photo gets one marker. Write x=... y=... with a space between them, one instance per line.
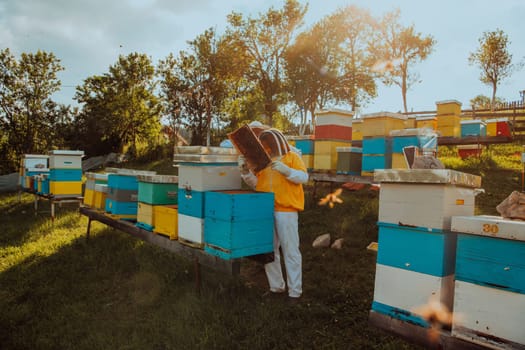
x=247 y=143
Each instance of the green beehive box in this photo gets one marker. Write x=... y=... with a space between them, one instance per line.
x=158 y=189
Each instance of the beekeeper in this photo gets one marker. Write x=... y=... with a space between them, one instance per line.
x=284 y=177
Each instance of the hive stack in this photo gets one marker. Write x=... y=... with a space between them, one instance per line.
x=416 y=254
x=238 y=223
x=498 y=127
x=377 y=145
x=305 y=144
x=333 y=129
x=349 y=160
x=93 y=179
x=65 y=173
x=474 y=127
x=122 y=193
x=201 y=169
x=156 y=191
x=489 y=294
x=32 y=165
x=449 y=118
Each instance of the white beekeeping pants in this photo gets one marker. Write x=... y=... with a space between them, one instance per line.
x=286 y=236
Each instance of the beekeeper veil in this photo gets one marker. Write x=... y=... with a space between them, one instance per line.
x=274 y=143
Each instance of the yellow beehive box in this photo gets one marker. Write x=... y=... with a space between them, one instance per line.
x=99 y=200
x=145 y=213
x=325 y=153
x=410 y=123
x=380 y=124
x=426 y=122
x=448 y=107
x=357 y=126
x=450 y=131
x=448 y=120
x=89 y=197
x=62 y=188
x=398 y=161
x=165 y=220
x=492 y=127
x=308 y=160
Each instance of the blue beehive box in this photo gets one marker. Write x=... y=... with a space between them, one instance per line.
x=238 y=223
x=473 y=128
x=121 y=208
x=191 y=202
x=490 y=281
x=306 y=146
x=371 y=162
x=65 y=174
x=123 y=181
x=423 y=250
x=377 y=145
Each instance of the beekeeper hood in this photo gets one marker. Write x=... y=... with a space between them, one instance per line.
x=274 y=143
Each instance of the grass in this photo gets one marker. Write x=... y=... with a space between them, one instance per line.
x=58 y=291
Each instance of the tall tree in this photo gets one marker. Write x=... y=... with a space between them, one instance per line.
x=358 y=85
x=121 y=104
x=28 y=115
x=395 y=49
x=265 y=40
x=194 y=85
x=313 y=67
x=494 y=60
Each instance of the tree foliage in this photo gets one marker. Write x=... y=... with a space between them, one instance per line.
x=265 y=40
x=194 y=85
x=29 y=119
x=120 y=108
x=395 y=49
x=494 y=60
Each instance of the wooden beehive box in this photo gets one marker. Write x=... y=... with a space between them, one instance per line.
x=490 y=281
x=425 y=197
x=238 y=223
x=250 y=147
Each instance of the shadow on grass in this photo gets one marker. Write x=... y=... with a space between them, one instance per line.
x=115 y=291
x=20 y=222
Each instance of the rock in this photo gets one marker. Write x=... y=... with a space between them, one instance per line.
x=322 y=241
x=338 y=243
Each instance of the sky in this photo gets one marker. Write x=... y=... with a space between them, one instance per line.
x=89 y=35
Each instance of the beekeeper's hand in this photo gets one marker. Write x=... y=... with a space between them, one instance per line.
x=243 y=167
x=280 y=167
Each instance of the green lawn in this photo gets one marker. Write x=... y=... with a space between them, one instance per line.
x=59 y=291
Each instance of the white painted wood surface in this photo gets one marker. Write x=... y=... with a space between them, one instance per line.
x=209 y=177
x=408 y=290
x=424 y=205
x=487 y=310
x=191 y=228
x=492 y=226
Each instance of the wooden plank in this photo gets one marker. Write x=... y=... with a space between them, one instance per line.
x=419 y=335
x=473 y=140
x=342 y=178
x=231 y=267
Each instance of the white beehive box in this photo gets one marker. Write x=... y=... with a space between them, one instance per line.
x=425 y=197
x=209 y=177
x=489 y=298
x=191 y=230
x=65 y=159
x=400 y=292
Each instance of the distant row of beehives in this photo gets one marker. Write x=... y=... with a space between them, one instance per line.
x=379 y=138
